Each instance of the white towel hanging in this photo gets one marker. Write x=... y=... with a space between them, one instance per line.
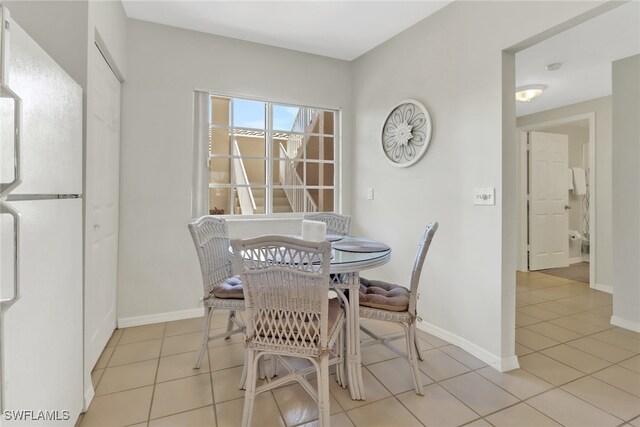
x=579 y=181
x=570 y=176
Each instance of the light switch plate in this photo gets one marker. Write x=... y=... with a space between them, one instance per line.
x=370 y=193
x=484 y=196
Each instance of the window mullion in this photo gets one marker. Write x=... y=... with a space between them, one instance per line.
x=268 y=202
x=232 y=204
x=321 y=130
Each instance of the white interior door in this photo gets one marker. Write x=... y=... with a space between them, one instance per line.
x=548 y=200
x=101 y=209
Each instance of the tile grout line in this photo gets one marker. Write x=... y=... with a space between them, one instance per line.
x=213 y=393
x=435 y=382
x=155 y=378
x=585 y=374
x=176 y=413
x=559 y=342
x=274 y=361
x=572 y=381
x=106 y=365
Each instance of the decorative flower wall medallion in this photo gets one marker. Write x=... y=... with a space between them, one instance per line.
x=406 y=133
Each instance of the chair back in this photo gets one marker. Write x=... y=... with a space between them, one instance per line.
x=336 y=224
x=211 y=238
x=285 y=283
x=423 y=247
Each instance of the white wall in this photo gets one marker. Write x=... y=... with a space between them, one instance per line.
x=65 y=29
x=453 y=63
x=60 y=28
x=108 y=19
x=158 y=268
x=602 y=109
x=626 y=193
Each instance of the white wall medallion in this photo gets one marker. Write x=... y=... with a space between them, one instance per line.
x=406 y=133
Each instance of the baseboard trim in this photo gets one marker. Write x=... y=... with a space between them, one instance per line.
x=501 y=364
x=604 y=288
x=626 y=324
x=89 y=393
x=575 y=260
x=149 y=319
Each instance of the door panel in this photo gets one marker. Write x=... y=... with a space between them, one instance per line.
x=42 y=331
x=101 y=210
x=548 y=196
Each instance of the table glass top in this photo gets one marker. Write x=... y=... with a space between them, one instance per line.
x=340 y=259
x=345 y=257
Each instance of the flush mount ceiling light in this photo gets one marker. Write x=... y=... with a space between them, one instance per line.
x=527 y=93
x=553 y=67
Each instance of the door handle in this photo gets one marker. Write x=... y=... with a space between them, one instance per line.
x=8 y=210
x=567 y=207
x=5 y=92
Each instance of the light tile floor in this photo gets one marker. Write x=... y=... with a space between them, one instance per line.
x=576 y=370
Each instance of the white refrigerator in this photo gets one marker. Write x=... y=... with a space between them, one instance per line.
x=41 y=309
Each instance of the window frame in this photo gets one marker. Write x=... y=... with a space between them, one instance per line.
x=269 y=158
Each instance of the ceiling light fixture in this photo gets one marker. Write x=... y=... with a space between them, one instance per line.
x=527 y=93
x=553 y=67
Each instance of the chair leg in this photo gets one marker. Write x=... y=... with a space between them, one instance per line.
x=208 y=313
x=323 y=392
x=340 y=372
x=230 y=323
x=413 y=358
x=245 y=368
x=416 y=341
x=250 y=393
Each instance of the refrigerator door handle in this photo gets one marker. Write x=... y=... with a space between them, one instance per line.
x=5 y=92
x=8 y=210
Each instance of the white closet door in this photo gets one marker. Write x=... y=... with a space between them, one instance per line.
x=548 y=201
x=101 y=209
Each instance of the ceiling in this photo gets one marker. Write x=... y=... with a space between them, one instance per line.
x=586 y=52
x=347 y=29
x=338 y=29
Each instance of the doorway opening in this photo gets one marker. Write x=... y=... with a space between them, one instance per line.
x=556 y=237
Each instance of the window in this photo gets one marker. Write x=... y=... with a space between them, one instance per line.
x=270 y=158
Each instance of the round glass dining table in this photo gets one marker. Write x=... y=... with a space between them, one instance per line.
x=345 y=268
x=348 y=261
x=357 y=254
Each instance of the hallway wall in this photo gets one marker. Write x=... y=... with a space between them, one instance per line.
x=626 y=193
x=452 y=62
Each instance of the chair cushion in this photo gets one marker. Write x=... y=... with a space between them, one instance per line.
x=230 y=288
x=383 y=295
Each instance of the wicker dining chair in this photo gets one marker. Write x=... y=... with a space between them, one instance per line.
x=336 y=224
x=394 y=303
x=222 y=290
x=288 y=313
